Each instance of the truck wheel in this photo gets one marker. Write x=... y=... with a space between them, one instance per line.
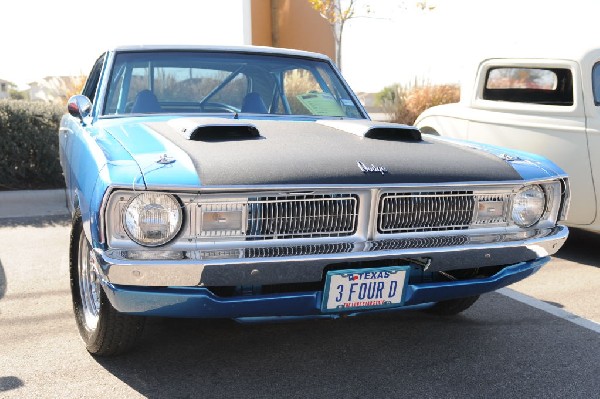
x=452 y=307
x=105 y=331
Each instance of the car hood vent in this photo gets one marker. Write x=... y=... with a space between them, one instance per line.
x=215 y=129
x=398 y=133
x=376 y=130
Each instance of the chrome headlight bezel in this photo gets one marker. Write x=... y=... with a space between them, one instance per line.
x=167 y=205
x=529 y=205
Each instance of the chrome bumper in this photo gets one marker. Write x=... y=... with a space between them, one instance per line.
x=200 y=302
x=271 y=267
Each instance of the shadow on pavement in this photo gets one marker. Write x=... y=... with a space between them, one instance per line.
x=43 y=221
x=499 y=348
x=580 y=247
x=8 y=383
x=555 y=304
x=2 y=281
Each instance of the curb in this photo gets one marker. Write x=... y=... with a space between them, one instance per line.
x=546 y=307
x=32 y=203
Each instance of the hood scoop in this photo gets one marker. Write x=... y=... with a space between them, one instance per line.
x=215 y=129
x=377 y=130
x=398 y=133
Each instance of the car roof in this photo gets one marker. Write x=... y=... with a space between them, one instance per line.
x=235 y=49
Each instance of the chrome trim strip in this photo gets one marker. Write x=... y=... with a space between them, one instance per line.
x=303 y=188
x=294 y=187
x=102 y=236
x=216 y=48
x=501 y=249
x=565 y=200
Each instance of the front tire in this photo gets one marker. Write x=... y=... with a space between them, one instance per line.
x=104 y=330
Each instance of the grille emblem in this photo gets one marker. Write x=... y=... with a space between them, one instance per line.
x=372 y=168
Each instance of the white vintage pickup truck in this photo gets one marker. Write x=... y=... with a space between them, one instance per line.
x=546 y=106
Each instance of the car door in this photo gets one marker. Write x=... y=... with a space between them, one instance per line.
x=537 y=106
x=591 y=81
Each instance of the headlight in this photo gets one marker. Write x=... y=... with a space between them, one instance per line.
x=152 y=219
x=529 y=205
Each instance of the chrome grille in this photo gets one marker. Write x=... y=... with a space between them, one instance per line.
x=425 y=242
x=271 y=252
x=425 y=211
x=315 y=215
x=319 y=249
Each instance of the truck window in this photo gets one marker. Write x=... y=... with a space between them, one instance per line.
x=549 y=86
x=596 y=83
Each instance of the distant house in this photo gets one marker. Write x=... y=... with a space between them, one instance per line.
x=55 y=88
x=5 y=86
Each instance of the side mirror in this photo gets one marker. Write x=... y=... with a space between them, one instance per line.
x=79 y=106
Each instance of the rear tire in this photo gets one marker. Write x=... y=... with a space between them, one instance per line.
x=104 y=330
x=452 y=307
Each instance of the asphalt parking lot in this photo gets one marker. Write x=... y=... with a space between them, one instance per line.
x=543 y=340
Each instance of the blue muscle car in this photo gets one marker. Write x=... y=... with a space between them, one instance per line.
x=249 y=182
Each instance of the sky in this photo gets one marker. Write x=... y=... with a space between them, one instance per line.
x=446 y=44
x=394 y=43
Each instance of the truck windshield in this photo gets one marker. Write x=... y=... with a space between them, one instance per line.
x=219 y=82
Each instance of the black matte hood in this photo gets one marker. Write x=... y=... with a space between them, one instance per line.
x=308 y=152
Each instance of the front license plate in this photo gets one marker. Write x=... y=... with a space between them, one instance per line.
x=360 y=289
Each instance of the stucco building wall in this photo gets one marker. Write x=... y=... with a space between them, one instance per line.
x=291 y=24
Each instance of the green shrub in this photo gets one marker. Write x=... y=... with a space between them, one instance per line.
x=29 y=145
x=405 y=103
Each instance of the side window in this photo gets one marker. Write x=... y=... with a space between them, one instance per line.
x=596 y=83
x=549 y=86
x=91 y=84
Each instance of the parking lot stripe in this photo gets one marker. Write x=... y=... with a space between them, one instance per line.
x=553 y=310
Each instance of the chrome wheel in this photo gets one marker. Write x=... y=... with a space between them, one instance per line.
x=104 y=330
x=89 y=284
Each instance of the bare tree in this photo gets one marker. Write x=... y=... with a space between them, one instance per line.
x=337 y=16
x=424 y=5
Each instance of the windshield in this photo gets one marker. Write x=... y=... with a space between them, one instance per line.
x=210 y=82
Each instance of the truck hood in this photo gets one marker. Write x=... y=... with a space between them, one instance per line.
x=299 y=153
